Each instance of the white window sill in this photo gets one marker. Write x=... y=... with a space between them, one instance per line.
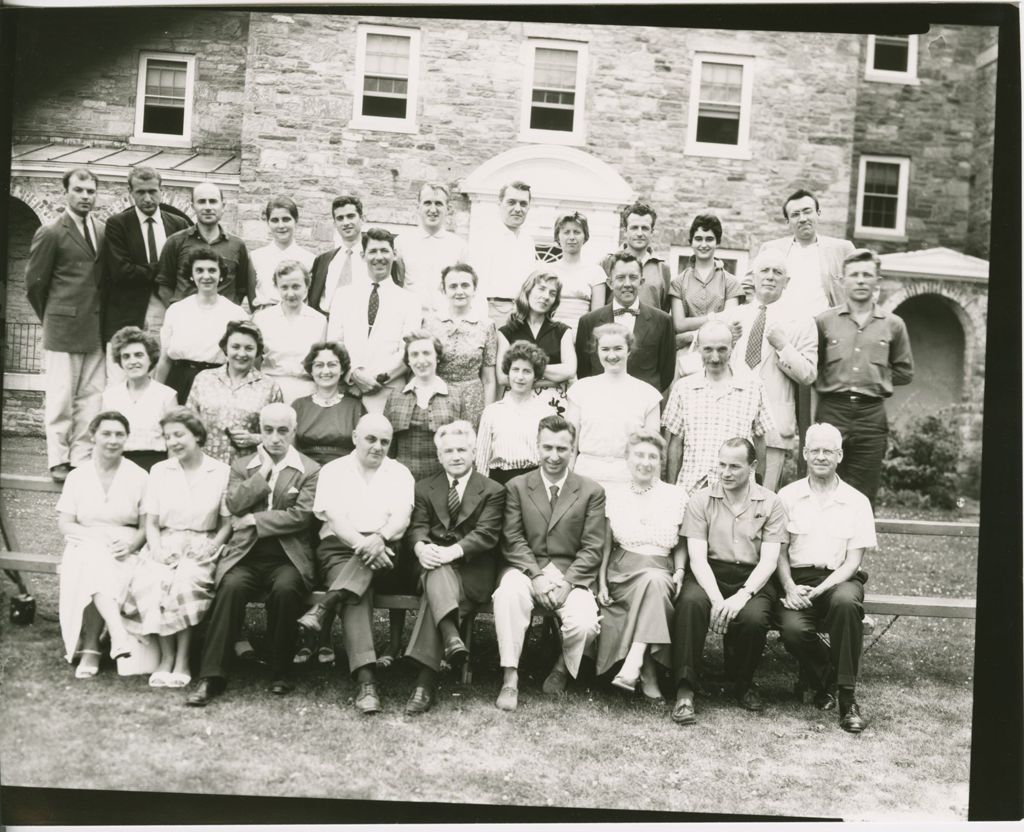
x=387 y=125
x=576 y=138
x=153 y=140
x=24 y=381
x=718 y=151
x=892 y=77
x=888 y=234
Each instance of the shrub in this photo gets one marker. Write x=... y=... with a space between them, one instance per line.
x=922 y=459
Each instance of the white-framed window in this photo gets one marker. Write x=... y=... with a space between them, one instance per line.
x=163 y=99
x=554 y=91
x=387 y=78
x=721 y=90
x=882 y=185
x=892 y=58
x=736 y=260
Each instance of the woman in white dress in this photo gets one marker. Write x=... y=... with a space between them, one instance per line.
x=607 y=408
x=187 y=524
x=642 y=569
x=578 y=276
x=289 y=329
x=101 y=517
x=142 y=400
x=282 y=216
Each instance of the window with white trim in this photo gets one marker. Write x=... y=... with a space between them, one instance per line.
x=721 y=91
x=164 y=96
x=553 y=92
x=892 y=58
x=735 y=260
x=882 y=185
x=387 y=78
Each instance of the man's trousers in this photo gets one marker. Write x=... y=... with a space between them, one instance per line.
x=74 y=388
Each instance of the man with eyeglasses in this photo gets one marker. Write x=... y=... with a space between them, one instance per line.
x=830 y=528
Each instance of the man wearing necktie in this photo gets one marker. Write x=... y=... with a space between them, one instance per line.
x=456 y=525
x=652 y=358
x=781 y=349
x=62 y=280
x=553 y=539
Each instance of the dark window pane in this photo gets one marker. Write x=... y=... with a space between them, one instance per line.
x=891 y=56
x=879 y=212
x=545 y=118
x=384 y=107
x=166 y=120
x=717 y=130
x=881 y=178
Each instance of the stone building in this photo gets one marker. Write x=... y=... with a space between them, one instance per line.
x=893 y=133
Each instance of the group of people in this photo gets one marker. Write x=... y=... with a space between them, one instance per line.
x=403 y=415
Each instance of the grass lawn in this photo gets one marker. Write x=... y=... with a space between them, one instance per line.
x=592 y=748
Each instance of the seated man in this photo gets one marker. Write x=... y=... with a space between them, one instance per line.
x=553 y=532
x=830 y=526
x=456 y=524
x=270 y=493
x=365 y=501
x=733 y=530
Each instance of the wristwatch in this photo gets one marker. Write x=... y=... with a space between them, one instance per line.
x=382 y=378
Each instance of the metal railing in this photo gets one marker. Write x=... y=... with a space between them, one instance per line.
x=23 y=347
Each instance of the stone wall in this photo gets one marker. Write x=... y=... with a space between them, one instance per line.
x=23 y=412
x=299 y=97
x=944 y=126
x=979 y=224
x=76 y=72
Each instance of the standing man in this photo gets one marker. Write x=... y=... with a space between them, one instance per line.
x=62 y=281
x=238 y=282
x=456 y=524
x=270 y=494
x=704 y=409
x=135 y=239
x=733 y=530
x=638 y=222
x=505 y=256
x=365 y=501
x=553 y=539
x=652 y=357
x=370 y=318
x=781 y=351
x=830 y=527
x=863 y=352
x=426 y=250
x=343 y=265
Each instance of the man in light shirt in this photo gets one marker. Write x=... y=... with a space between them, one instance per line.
x=365 y=501
x=505 y=256
x=426 y=250
x=341 y=266
x=780 y=350
x=830 y=527
x=370 y=318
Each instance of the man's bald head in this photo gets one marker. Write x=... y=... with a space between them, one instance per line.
x=372 y=438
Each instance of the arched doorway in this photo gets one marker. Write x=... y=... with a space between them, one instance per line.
x=937 y=341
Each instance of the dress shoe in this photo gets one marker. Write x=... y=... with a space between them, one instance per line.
x=419 y=702
x=367 y=701
x=279 y=687
x=624 y=683
x=455 y=652
x=59 y=473
x=750 y=699
x=557 y=682
x=206 y=689
x=850 y=718
x=824 y=701
x=684 y=714
x=508 y=698
x=313 y=618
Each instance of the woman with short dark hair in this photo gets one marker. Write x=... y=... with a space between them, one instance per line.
x=326 y=418
x=282 y=217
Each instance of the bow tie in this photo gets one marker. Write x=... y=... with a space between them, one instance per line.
x=623 y=310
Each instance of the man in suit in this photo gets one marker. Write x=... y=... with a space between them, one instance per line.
x=553 y=538
x=62 y=280
x=342 y=265
x=370 y=318
x=270 y=493
x=782 y=351
x=135 y=238
x=456 y=524
x=653 y=355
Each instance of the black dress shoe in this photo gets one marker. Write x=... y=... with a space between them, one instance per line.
x=850 y=718
x=313 y=619
x=824 y=701
x=205 y=690
x=419 y=702
x=455 y=652
x=367 y=700
x=750 y=699
x=279 y=687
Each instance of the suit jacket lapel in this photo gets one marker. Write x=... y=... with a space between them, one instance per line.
x=470 y=497
x=541 y=499
x=566 y=497
x=439 y=497
x=643 y=323
x=76 y=233
x=284 y=481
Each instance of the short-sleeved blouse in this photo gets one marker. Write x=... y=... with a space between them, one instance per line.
x=287 y=340
x=222 y=403
x=549 y=336
x=184 y=504
x=143 y=413
x=325 y=433
x=610 y=411
x=646 y=523
x=578 y=281
x=699 y=298
x=119 y=507
x=192 y=331
x=468 y=346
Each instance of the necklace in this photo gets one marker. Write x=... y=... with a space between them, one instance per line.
x=329 y=401
x=640 y=491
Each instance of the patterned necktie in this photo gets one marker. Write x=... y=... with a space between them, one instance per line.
x=623 y=310
x=345 y=277
x=373 y=307
x=151 y=240
x=554 y=496
x=753 y=356
x=453 y=501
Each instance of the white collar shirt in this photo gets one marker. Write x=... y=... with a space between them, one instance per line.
x=359 y=273
x=627 y=320
x=804 y=294
x=504 y=260
x=559 y=484
x=460 y=484
x=289 y=460
x=368 y=504
x=823 y=529
x=159 y=233
x=425 y=255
